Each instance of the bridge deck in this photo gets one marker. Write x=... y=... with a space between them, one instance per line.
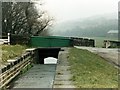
x=40 y=76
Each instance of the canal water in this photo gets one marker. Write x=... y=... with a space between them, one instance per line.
x=39 y=76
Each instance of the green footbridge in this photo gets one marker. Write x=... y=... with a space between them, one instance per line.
x=50 y=41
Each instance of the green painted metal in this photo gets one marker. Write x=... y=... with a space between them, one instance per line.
x=50 y=41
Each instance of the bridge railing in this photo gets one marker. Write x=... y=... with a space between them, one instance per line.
x=14 y=67
x=83 y=42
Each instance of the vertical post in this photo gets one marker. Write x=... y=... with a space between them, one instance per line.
x=0 y=46
x=8 y=38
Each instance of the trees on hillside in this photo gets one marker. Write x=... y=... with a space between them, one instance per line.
x=24 y=18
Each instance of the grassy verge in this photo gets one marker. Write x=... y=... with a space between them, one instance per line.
x=11 y=51
x=91 y=71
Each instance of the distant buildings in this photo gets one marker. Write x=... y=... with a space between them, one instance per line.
x=113 y=33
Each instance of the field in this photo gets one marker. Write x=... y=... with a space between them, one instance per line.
x=91 y=71
x=10 y=51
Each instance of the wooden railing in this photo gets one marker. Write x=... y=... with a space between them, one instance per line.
x=12 y=69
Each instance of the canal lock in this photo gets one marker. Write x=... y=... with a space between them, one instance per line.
x=44 y=63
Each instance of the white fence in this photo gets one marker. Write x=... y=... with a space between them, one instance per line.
x=5 y=41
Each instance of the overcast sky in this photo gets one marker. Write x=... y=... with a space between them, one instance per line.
x=63 y=10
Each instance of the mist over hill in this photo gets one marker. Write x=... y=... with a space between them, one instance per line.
x=96 y=26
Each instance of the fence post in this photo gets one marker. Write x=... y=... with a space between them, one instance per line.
x=8 y=38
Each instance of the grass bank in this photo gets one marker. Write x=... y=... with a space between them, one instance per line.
x=11 y=51
x=91 y=71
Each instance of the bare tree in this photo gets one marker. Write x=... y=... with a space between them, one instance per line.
x=24 y=18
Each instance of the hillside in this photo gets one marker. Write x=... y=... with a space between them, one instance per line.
x=96 y=26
